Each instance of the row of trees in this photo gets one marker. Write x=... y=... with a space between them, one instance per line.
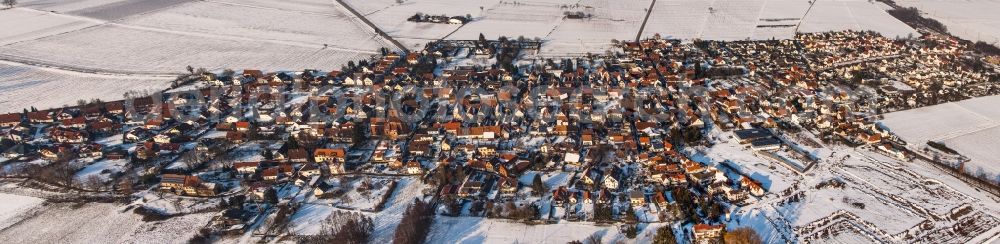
x=344 y=227
x=415 y=224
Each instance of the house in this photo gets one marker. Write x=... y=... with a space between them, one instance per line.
x=704 y=233
x=18 y=150
x=749 y=135
x=270 y=174
x=752 y=186
x=610 y=182
x=298 y=155
x=309 y=170
x=414 y=168
x=329 y=155
x=40 y=117
x=10 y=120
x=246 y=167
x=187 y=185
x=765 y=144
x=637 y=198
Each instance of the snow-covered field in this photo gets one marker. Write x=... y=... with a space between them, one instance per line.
x=263 y=24
x=23 y=24
x=971 y=127
x=766 y=19
x=126 y=39
x=12 y=206
x=483 y=230
x=24 y=86
x=145 y=50
x=102 y=169
x=391 y=17
x=975 y=20
x=100 y=223
x=854 y=15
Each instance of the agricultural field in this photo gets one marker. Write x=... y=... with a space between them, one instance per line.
x=14 y=207
x=483 y=230
x=975 y=20
x=99 y=223
x=25 y=86
x=967 y=126
x=854 y=15
x=142 y=50
x=107 y=47
x=293 y=28
x=739 y=20
x=28 y=24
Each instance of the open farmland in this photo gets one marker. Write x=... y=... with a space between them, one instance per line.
x=853 y=15
x=975 y=20
x=14 y=207
x=27 y=24
x=970 y=127
x=738 y=20
x=392 y=17
x=298 y=28
x=135 y=45
x=25 y=86
x=483 y=230
x=141 y=50
x=99 y=223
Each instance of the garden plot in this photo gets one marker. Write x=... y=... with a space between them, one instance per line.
x=26 y=86
x=919 y=194
x=816 y=205
x=22 y=24
x=306 y=29
x=975 y=20
x=136 y=50
x=365 y=194
x=103 y=170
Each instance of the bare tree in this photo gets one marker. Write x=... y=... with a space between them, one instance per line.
x=191 y=159
x=10 y=3
x=93 y=182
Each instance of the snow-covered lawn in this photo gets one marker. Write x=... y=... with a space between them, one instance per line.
x=309 y=218
x=103 y=169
